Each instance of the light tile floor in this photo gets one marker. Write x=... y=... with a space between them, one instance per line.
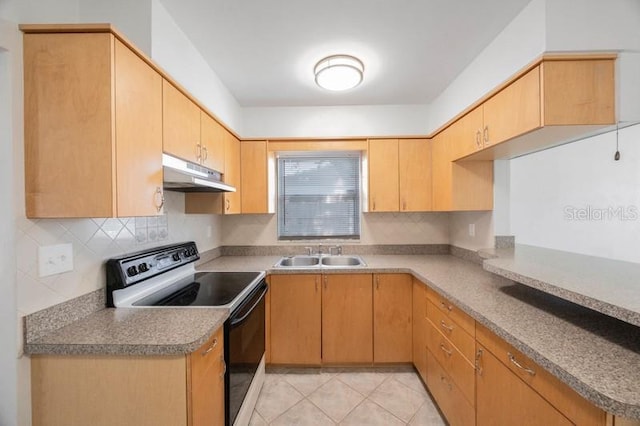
x=368 y=397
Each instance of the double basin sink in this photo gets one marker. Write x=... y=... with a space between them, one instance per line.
x=317 y=261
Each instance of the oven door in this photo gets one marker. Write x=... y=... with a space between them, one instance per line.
x=244 y=348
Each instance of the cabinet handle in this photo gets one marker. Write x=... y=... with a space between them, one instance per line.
x=446 y=382
x=228 y=204
x=478 y=139
x=404 y=205
x=479 y=362
x=317 y=284
x=515 y=362
x=224 y=367
x=159 y=198
x=206 y=153
x=198 y=152
x=446 y=306
x=210 y=348
x=445 y=350
x=326 y=279
x=486 y=135
x=446 y=327
x=374 y=205
x=377 y=283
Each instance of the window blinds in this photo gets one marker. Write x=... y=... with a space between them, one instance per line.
x=318 y=197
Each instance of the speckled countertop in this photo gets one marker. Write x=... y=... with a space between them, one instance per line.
x=133 y=331
x=595 y=354
x=608 y=286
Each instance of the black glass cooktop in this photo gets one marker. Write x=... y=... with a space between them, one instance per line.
x=201 y=289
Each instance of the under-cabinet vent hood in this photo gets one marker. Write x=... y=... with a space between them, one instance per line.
x=184 y=176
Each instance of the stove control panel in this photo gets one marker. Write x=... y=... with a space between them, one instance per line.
x=133 y=268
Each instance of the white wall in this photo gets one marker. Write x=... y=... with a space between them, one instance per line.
x=546 y=187
x=174 y=52
x=377 y=228
x=335 y=121
x=8 y=308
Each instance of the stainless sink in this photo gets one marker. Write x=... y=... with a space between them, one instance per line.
x=342 y=261
x=320 y=261
x=298 y=262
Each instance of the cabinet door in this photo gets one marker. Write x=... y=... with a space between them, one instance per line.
x=468 y=133
x=138 y=129
x=504 y=399
x=207 y=383
x=419 y=319
x=296 y=302
x=441 y=169
x=514 y=110
x=232 y=200
x=392 y=318
x=68 y=141
x=414 y=163
x=212 y=140
x=383 y=175
x=253 y=159
x=347 y=323
x=180 y=124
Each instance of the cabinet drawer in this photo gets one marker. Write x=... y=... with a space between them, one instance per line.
x=465 y=343
x=206 y=356
x=561 y=396
x=453 y=404
x=461 y=371
x=452 y=311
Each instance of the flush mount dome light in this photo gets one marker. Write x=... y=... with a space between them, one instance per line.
x=339 y=72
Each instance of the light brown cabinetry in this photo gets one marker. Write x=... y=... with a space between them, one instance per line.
x=392 y=328
x=556 y=100
x=254 y=179
x=347 y=326
x=180 y=124
x=295 y=319
x=93 y=127
x=459 y=186
x=532 y=390
x=212 y=141
x=419 y=302
x=232 y=174
x=107 y=390
x=399 y=175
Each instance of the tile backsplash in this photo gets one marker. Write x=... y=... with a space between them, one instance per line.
x=95 y=240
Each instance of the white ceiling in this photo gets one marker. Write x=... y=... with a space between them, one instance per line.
x=265 y=51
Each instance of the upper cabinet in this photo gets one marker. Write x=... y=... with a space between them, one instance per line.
x=190 y=133
x=180 y=124
x=557 y=100
x=232 y=174
x=93 y=127
x=399 y=175
x=254 y=178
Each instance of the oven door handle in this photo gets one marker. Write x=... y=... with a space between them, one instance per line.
x=236 y=321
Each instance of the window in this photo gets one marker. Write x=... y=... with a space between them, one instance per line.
x=318 y=196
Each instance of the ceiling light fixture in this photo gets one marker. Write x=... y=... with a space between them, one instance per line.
x=339 y=72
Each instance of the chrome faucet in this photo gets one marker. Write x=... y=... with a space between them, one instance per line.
x=309 y=251
x=338 y=249
x=319 y=249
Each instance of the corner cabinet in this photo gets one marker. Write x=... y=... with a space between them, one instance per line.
x=93 y=127
x=80 y=390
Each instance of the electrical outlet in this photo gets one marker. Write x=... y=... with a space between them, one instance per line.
x=208 y=231
x=472 y=229
x=55 y=259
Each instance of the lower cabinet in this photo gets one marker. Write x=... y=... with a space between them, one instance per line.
x=347 y=326
x=534 y=396
x=448 y=396
x=295 y=319
x=419 y=302
x=392 y=318
x=130 y=390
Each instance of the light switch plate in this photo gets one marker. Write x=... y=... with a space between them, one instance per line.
x=55 y=259
x=472 y=229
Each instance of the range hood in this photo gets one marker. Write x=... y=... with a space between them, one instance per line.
x=185 y=176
